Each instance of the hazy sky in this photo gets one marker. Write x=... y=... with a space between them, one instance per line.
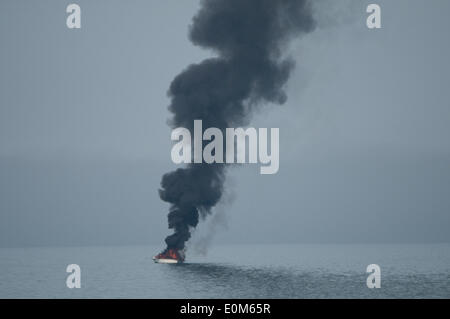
x=365 y=148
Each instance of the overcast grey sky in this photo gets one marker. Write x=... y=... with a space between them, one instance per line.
x=365 y=149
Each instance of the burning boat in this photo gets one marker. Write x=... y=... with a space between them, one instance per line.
x=170 y=256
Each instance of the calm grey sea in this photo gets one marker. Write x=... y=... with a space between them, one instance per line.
x=241 y=271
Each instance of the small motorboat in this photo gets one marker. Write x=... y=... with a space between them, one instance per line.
x=170 y=256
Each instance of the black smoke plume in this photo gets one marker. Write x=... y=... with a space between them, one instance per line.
x=248 y=37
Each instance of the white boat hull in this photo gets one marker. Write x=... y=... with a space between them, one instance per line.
x=166 y=261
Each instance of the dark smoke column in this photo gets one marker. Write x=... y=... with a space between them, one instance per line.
x=248 y=37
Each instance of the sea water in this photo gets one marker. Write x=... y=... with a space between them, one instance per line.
x=239 y=271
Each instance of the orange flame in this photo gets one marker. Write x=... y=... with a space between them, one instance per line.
x=169 y=254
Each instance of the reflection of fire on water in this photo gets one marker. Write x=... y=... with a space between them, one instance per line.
x=169 y=256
